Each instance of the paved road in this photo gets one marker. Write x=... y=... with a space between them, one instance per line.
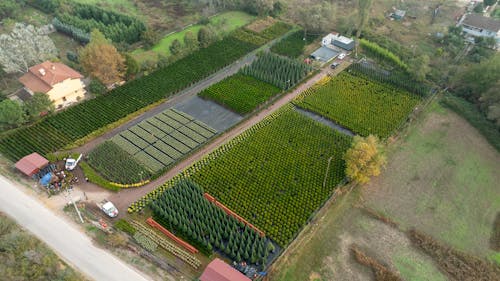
x=63 y=237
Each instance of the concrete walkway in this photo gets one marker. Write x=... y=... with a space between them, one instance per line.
x=63 y=237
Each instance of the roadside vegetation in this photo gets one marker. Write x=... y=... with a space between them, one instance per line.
x=24 y=257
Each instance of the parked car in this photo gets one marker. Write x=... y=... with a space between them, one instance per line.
x=108 y=208
x=334 y=65
x=71 y=163
x=342 y=56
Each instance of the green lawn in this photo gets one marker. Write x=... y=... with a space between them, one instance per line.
x=223 y=23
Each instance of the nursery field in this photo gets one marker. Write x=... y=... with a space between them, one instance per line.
x=184 y=210
x=240 y=93
x=275 y=174
x=59 y=130
x=155 y=143
x=361 y=105
x=293 y=45
x=117 y=165
x=277 y=70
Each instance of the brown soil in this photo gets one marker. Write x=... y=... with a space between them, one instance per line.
x=260 y=25
x=495 y=236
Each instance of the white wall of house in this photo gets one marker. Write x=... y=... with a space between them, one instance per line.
x=67 y=92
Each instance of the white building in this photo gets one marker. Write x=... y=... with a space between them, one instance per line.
x=479 y=26
x=334 y=39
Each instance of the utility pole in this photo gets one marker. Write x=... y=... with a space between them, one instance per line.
x=73 y=202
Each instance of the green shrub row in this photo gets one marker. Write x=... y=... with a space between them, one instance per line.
x=375 y=50
x=293 y=45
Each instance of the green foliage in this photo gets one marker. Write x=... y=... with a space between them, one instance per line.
x=9 y=7
x=11 y=114
x=70 y=30
x=38 y=104
x=273 y=174
x=279 y=71
x=26 y=258
x=96 y=87
x=249 y=36
x=117 y=165
x=72 y=56
x=132 y=66
x=277 y=29
x=125 y=226
x=183 y=209
x=145 y=242
x=205 y=37
x=190 y=40
x=375 y=50
x=48 y=6
x=57 y=131
x=470 y=113
x=94 y=177
x=364 y=106
x=293 y=45
x=175 y=47
x=240 y=93
x=115 y=26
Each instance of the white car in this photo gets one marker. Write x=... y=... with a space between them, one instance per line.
x=108 y=208
x=342 y=56
x=71 y=163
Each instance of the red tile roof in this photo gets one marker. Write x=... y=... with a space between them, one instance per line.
x=218 y=270
x=41 y=77
x=31 y=164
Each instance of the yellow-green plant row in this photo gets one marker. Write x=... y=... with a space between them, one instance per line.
x=273 y=174
x=361 y=105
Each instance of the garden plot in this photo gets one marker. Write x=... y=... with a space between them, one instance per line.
x=163 y=139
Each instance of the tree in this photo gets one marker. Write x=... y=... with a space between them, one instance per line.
x=489 y=2
x=190 y=40
x=11 y=114
x=364 y=159
x=419 y=67
x=101 y=60
x=150 y=37
x=175 y=47
x=25 y=46
x=313 y=17
x=205 y=37
x=9 y=8
x=132 y=66
x=364 y=14
x=38 y=104
x=96 y=87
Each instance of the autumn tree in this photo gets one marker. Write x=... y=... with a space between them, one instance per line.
x=364 y=159
x=312 y=16
x=11 y=114
x=24 y=47
x=101 y=60
x=38 y=104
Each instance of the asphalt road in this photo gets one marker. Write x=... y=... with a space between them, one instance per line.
x=65 y=239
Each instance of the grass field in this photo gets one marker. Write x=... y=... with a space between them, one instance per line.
x=441 y=179
x=240 y=93
x=224 y=22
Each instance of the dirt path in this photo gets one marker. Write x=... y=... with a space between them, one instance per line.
x=125 y=197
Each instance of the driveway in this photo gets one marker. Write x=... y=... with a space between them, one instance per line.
x=71 y=244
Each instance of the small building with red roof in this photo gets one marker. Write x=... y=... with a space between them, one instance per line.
x=31 y=164
x=218 y=270
x=60 y=82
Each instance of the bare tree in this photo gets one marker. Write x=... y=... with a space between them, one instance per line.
x=313 y=16
x=23 y=47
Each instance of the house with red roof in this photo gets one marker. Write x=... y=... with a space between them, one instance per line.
x=218 y=270
x=60 y=82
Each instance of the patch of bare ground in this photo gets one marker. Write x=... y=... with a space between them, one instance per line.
x=259 y=25
x=382 y=273
x=495 y=236
x=457 y=265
